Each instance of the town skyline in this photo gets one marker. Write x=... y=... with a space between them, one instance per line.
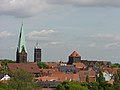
x=60 y=28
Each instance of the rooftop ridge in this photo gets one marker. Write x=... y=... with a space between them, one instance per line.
x=74 y=54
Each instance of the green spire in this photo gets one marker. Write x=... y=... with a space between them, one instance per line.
x=21 y=43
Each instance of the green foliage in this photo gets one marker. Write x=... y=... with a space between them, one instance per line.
x=42 y=65
x=87 y=78
x=4 y=69
x=3 y=86
x=117 y=80
x=6 y=61
x=60 y=87
x=100 y=78
x=93 y=86
x=70 y=85
x=22 y=80
x=116 y=65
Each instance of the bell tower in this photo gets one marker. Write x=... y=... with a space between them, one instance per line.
x=37 y=53
x=21 y=54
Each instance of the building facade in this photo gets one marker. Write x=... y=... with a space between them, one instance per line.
x=37 y=53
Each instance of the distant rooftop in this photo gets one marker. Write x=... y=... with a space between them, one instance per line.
x=74 y=54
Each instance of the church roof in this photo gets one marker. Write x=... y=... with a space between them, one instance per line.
x=74 y=54
x=21 y=43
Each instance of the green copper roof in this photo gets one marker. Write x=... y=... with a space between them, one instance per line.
x=21 y=43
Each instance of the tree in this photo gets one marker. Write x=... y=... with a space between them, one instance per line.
x=22 y=80
x=117 y=80
x=42 y=65
x=60 y=87
x=3 y=86
x=4 y=63
x=70 y=85
x=87 y=78
x=93 y=86
x=116 y=65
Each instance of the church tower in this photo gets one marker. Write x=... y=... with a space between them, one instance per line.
x=37 y=53
x=74 y=58
x=21 y=54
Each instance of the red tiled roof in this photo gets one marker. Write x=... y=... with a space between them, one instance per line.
x=62 y=76
x=79 y=65
x=111 y=70
x=47 y=71
x=30 y=67
x=53 y=64
x=47 y=78
x=74 y=54
x=89 y=73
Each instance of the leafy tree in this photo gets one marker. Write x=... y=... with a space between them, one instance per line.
x=42 y=65
x=87 y=78
x=116 y=65
x=60 y=87
x=117 y=80
x=100 y=78
x=71 y=85
x=93 y=86
x=4 y=63
x=85 y=84
x=108 y=86
x=3 y=86
x=22 y=80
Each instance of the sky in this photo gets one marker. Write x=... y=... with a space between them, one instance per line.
x=90 y=27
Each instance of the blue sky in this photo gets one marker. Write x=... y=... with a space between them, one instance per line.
x=90 y=27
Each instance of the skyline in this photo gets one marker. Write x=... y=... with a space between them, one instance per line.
x=61 y=27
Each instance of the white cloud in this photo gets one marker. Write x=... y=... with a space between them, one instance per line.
x=5 y=34
x=56 y=43
x=28 y=8
x=22 y=8
x=113 y=45
x=114 y=3
x=41 y=35
x=101 y=35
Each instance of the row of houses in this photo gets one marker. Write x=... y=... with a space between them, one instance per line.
x=59 y=72
x=75 y=69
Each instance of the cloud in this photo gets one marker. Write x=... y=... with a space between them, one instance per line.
x=28 y=8
x=56 y=43
x=22 y=8
x=92 y=45
x=5 y=34
x=101 y=35
x=93 y=3
x=113 y=45
x=41 y=35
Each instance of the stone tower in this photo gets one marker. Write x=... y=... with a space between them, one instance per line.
x=74 y=58
x=21 y=54
x=37 y=53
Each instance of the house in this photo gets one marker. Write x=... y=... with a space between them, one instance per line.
x=79 y=66
x=5 y=78
x=90 y=73
x=67 y=68
x=107 y=76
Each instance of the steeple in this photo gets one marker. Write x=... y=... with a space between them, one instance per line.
x=21 y=54
x=21 y=43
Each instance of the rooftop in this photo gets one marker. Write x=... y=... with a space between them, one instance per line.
x=74 y=54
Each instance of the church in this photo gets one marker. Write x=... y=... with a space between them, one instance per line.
x=21 y=53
